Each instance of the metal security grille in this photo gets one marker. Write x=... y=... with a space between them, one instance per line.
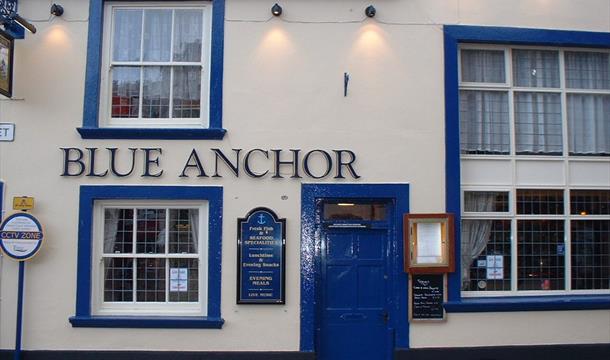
x=590 y=254
x=541 y=255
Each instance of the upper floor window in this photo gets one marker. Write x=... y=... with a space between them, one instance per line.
x=154 y=70
x=157 y=61
x=534 y=101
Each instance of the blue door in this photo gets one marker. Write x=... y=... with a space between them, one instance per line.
x=354 y=284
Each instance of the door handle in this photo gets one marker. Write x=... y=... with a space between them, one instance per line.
x=386 y=317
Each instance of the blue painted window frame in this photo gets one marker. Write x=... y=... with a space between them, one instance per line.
x=310 y=193
x=91 y=128
x=453 y=36
x=88 y=195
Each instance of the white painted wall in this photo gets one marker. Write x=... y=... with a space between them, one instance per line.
x=283 y=88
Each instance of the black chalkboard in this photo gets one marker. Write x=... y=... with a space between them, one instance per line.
x=427 y=296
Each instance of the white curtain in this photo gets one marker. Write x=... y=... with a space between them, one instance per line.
x=157 y=35
x=194 y=222
x=587 y=70
x=127 y=35
x=589 y=124
x=484 y=122
x=536 y=68
x=111 y=222
x=475 y=233
x=188 y=30
x=538 y=124
x=187 y=91
x=483 y=66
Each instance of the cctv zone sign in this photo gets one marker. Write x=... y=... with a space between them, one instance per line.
x=214 y=163
x=20 y=236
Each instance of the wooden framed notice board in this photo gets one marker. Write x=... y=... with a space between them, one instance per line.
x=429 y=243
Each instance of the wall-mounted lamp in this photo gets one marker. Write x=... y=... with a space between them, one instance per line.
x=57 y=10
x=23 y=23
x=370 y=11
x=276 y=10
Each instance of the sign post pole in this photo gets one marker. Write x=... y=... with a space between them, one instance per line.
x=19 y=311
x=20 y=238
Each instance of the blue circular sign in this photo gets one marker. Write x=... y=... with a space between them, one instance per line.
x=20 y=236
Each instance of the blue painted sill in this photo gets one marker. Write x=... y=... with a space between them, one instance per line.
x=151 y=133
x=157 y=322
x=529 y=303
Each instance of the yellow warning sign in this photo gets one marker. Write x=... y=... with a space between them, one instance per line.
x=23 y=203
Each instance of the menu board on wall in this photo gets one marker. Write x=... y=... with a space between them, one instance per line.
x=427 y=297
x=261 y=249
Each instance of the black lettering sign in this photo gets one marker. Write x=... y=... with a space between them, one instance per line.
x=427 y=296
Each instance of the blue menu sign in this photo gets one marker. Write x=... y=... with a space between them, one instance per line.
x=261 y=250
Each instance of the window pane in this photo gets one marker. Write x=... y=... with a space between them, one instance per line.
x=541 y=252
x=536 y=68
x=484 y=122
x=184 y=280
x=587 y=70
x=486 y=201
x=150 y=280
x=589 y=124
x=483 y=66
x=188 y=30
x=155 y=93
x=125 y=92
x=157 y=35
x=486 y=255
x=127 y=34
x=118 y=231
x=151 y=231
x=183 y=231
x=538 y=123
x=539 y=202
x=590 y=202
x=351 y=211
x=187 y=92
x=591 y=254
x=118 y=279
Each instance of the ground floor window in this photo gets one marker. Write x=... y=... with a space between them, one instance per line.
x=149 y=256
x=536 y=240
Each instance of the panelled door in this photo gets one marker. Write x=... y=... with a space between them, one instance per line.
x=354 y=280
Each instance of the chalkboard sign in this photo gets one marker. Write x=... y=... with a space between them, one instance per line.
x=261 y=250
x=427 y=296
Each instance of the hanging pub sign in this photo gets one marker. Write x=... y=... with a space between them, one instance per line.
x=261 y=250
x=20 y=236
x=6 y=64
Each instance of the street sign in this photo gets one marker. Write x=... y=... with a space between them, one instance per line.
x=7 y=132
x=23 y=203
x=20 y=236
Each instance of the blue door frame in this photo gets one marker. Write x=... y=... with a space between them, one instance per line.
x=398 y=194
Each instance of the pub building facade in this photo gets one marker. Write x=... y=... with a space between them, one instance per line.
x=236 y=179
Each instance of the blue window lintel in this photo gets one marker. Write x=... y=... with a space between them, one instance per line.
x=151 y=133
x=529 y=303
x=147 y=322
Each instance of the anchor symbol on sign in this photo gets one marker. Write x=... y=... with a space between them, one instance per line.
x=261 y=219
